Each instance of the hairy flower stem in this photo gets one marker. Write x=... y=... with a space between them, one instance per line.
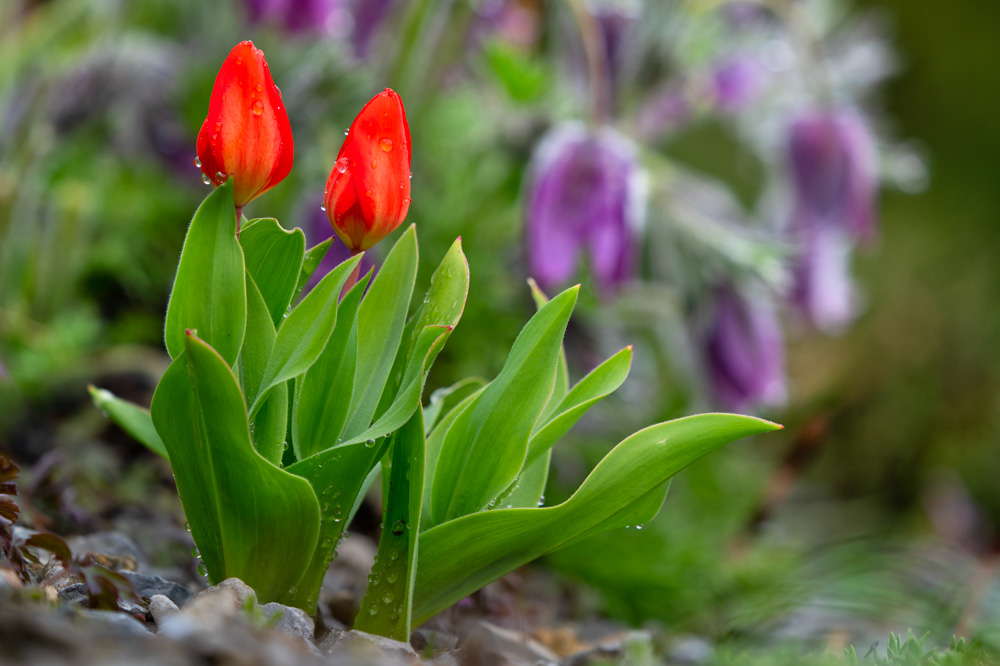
x=352 y=279
x=597 y=73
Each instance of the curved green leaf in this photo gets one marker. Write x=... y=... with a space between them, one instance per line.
x=209 y=293
x=131 y=418
x=325 y=390
x=460 y=556
x=601 y=381
x=249 y=518
x=274 y=258
x=381 y=319
x=305 y=332
x=310 y=263
x=486 y=447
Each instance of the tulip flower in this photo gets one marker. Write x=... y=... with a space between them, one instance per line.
x=368 y=192
x=832 y=161
x=744 y=351
x=246 y=134
x=586 y=195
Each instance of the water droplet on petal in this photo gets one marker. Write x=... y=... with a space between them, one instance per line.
x=322 y=207
x=342 y=164
x=258 y=108
x=374 y=163
x=385 y=145
x=239 y=60
x=347 y=131
x=197 y=162
x=260 y=87
x=220 y=176
x=205 y=179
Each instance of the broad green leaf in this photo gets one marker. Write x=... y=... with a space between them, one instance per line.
x=561 y=385
x=274 y=258
x=381 y=319
x=305 y=332
x=443 y=305
x=249 y=518
x=485 y=448
x=602 y=380
x=131 y=418
x=310 y=263
x=325 y=390
x=426 y=348
x=268 y=424
x=444 y=398
x=529 y=488
x=462 y=555
x=432 y=449
x=209 y=293
x=337 y=476
x=387 y=605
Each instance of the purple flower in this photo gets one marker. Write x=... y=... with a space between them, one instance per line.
x=736 y=81
x=368 y=16
x=327 y=17
x=666 y=111
x=822 y=288
x=832 y=160
x=586 y=195
x=744 y=351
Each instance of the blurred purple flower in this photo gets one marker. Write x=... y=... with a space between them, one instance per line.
x=736 y=81
x=744 y=352
x=368 y=16
x=586 y=194
x=327 y=17
x=665 y=111
x=822 y=288
x=317 y=229
x=832 y=160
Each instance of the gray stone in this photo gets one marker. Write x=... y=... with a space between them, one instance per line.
x=359 y=647
x=162 y=607
x=149 y=586
x=690 y=650
x=231 y=594
x=289 y=621
x=488 y=643
x=113 y=544
x=428 y=642
x=74 y=595
x=115 y=624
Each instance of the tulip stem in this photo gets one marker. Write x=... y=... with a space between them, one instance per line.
x=352 y=279
x=239 y=220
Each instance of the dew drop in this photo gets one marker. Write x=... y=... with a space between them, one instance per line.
x=394 y=613
x=257 y=107
x=292 y=591
x=370 y=443
x=187 y=527
x=260 y=88
x=374 y=163
x=322 y=207
x=394 y=554
x=205 y=179
x=391 y=577
x=368 y=193
x=195 y=553
x=218 y=126
x=201 y=569
x=342 y=164
x=373 y=611
x=239 y=60
x=385 y=145
x=411 y=175
x=388 y=597
x=197 y=162
x=638 y=527
x=220 y=176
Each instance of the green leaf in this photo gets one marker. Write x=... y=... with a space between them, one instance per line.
x=561 y=386
x=249 y=518
x=432 y=449
x=131 y=418
x=381 y=319
x=311 y=262
x=528 y=489
x=485 y=448
x=305 y=332
x=429 y=343
x=337 y=476
x=443 y=399
x=209 y=293
x=386 y=609
x=268 y=424
x=325 y=390
x=274 y=259
x=602 y=380
x=462 y=555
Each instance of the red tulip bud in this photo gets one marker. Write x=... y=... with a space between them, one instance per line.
x=368 y=192
x=246 y=134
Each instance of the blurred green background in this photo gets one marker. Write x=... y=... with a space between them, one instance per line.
x=876 y=509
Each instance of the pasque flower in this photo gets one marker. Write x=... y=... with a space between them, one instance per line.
x=743 y=349
x=368 y=192
x=586 y=194
x=832 y=161
x=246 y=134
